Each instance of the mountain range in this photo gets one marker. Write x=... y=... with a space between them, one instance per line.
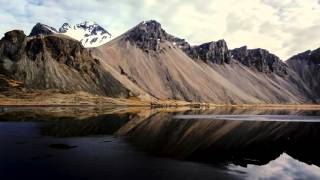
x=149 y=64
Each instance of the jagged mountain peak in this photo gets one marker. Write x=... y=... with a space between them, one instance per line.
x=40 y=28
x=214 y=52
x=307 y=66
x=308 y=56
x=261 y=59
x=64 y=27
x=148 y=35
x=260 y=52
x=148 y=30
x=219 y=43
x=85 y=25
x=151 y=24
x=89 y=33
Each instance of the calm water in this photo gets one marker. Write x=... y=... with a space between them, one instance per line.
x=108 y=143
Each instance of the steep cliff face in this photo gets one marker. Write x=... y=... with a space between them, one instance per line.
x=214 y=52
x=149 y=35
x=260 y=59
x=307 y=66
x=55 y=62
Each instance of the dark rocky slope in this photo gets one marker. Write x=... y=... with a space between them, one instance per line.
x=149 y=35
x=214 y=52
x=55 y=62
x=260 y=59
x=42 y=29
x=307 y=66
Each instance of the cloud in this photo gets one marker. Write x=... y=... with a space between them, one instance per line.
x=284 y=27
x=303 y=37
x=284 y=167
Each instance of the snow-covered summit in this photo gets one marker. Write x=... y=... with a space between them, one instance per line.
x=89 y=33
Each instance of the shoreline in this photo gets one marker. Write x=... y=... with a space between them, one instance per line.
x=48 y=98
x=167 y=106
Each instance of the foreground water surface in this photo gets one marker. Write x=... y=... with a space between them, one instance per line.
x=142 y=143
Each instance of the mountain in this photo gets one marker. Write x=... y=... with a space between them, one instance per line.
x=307 y=66
x=260 y=59
x=214 y=52
x=167 y=67
x=148 y=63
x=42 y=29
x=89 y=33
x=55 y=62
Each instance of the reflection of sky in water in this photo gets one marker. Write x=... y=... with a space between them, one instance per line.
x=284 y=167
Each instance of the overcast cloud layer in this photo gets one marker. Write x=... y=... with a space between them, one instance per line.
x=285 y=27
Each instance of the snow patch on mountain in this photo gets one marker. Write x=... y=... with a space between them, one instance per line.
x=89 y=33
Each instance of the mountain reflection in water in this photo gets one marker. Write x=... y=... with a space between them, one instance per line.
x=237 y=146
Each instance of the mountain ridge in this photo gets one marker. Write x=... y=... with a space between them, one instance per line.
x=171 y=73
x=151 y=64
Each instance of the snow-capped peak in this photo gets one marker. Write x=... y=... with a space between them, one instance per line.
x=89 y=33
x=64 y=28
x=88 y=24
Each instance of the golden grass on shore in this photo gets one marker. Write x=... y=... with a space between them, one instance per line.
x=52 y=98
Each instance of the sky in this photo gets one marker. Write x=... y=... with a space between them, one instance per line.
x=284 y=27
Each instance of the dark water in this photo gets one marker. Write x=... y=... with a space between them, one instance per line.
x=95 y=143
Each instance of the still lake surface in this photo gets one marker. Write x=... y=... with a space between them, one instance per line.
x=142 y=143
